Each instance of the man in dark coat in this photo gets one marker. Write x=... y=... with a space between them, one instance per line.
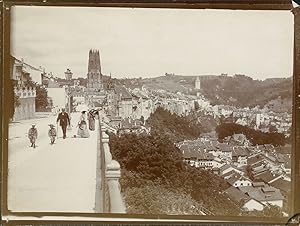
x=64 y=121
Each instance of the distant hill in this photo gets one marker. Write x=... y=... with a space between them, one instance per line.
x=238 y=90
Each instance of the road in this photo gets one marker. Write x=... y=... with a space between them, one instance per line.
x=51 y=178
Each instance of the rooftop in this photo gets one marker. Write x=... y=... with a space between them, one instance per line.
x=265 y=193
x=236 y=195
x=282 y=185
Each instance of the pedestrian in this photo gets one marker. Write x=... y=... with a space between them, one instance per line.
x=91 y=118
x=82 y=126
x=32 y=135
x=64 y=121
x=52 y=133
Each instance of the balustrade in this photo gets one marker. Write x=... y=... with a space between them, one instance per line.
x=110 y=175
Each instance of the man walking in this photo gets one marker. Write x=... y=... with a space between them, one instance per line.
x=64 y=121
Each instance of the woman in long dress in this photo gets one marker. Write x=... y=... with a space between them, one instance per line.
x=91 y=118
x=82 y=126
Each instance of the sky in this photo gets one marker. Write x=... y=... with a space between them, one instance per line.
x=138 y=42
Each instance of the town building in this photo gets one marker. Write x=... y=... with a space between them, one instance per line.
x=24 y=89
x=197 y=83
x=94 y=75
x=247 y=203
x=264 y=193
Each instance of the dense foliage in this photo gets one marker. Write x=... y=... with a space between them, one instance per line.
x=255 y=136
x=41 y=100
x=175 y=127
x=12 y=97
x=156 y=180
x=152 y=164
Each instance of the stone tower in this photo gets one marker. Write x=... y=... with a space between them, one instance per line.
x=94 y=76
x=197 y=83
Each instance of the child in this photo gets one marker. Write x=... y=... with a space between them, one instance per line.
x=52 y=133
x=32 y=135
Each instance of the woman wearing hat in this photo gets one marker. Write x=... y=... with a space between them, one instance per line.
x=82 y=126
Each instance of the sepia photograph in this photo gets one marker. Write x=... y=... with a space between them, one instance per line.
x=151 y=111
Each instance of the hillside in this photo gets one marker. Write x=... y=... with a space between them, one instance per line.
x=239 y=90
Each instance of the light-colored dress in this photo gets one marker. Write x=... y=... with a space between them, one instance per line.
x=82 y=127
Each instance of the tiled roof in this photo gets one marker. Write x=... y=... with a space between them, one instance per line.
x=282 y=184
x=225 y=147
x=239 y=151
x=225 y=167
x=233 y=178
x=258 y=184
x=254 y=159
x=236 y=195
x=266 y=193
x=266 y=176
x=122 y=91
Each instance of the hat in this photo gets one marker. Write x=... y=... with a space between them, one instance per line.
x=83 y=112
x=33 y=124
x=51 y=125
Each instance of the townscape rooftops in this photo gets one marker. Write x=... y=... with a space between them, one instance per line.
x=266 y=176
x=234 y=178
x=258 y=184
x=120 y=90
x=255 y=159
x=225 y=147
x=285 y=159
x=266 y=193
x=239 y=151
x=282 y=185
x=225 y=167
x=199 y=155
x=236 y=195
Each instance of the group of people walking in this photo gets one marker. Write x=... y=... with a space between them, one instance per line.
x=86 y=123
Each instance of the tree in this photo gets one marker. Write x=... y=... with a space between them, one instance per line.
x=197 y=106
x=272 y=129
x=256 y=136
x=41 y=99
x=11 y=105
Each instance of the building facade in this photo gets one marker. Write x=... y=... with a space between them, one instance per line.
x=24 y=89
x=94 y=76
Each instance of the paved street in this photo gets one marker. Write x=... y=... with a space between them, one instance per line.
x=51 y=178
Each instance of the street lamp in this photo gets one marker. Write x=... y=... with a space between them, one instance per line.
x=68 y=75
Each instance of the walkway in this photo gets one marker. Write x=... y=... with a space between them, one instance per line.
x=51 y=178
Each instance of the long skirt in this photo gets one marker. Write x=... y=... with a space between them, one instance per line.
x=92 y=124
x=83 y=131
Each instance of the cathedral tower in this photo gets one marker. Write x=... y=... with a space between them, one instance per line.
x=94 y=76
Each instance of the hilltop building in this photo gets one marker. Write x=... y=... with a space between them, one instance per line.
x=197 y=83
x=68 y=74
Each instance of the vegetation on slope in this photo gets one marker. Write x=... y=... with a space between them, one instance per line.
x=239 y=90
x=174 y=127
x=152 y=165
x=255 y=136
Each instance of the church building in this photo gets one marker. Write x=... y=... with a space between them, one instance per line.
x=94 y=76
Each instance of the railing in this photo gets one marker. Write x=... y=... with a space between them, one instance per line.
x=109 y=197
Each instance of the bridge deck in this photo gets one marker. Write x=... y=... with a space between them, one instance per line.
x=51 y=178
